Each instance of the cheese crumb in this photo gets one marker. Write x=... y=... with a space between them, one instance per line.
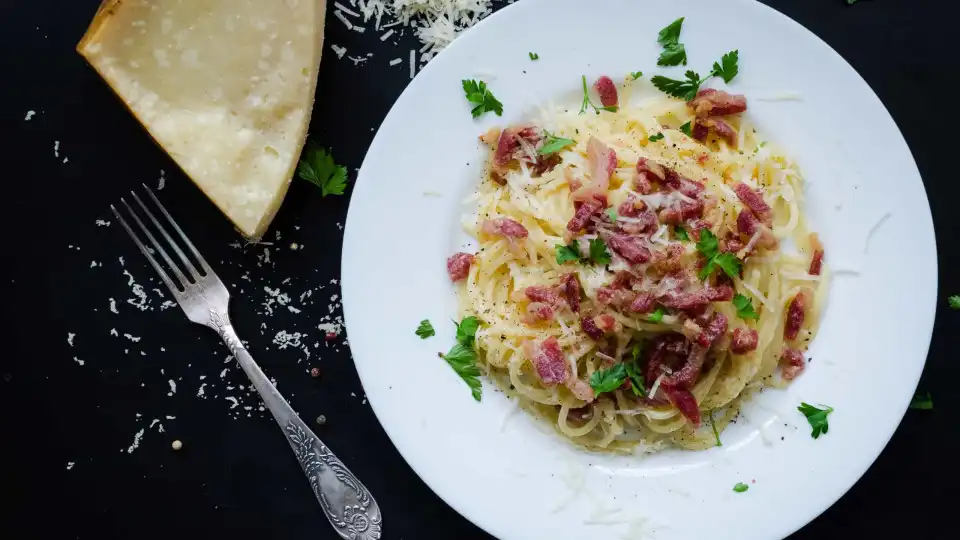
x=177 y=445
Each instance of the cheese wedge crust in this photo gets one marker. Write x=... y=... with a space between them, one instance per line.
x=225 y=87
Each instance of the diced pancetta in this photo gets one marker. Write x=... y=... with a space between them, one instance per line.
x=607 y=91
x=694 y=300
x=792 y=363
x=510 y=145
x=540 y=293
x=744 y=340
x=711 y=102
x=458 y=266
x=537 y=312
x=721 y=128
x=630 y=248
x=580 y=389
x=644 y=302
x=816 y=263
x=504 y=227
x=582 y=215
x=685 y=402
x=796 y=312
x=548 y=361
x=754 y=201
x=571 y=291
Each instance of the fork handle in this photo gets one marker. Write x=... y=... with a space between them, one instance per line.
x=346 y=502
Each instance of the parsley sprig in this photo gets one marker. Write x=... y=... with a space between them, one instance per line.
x=553 y=144
x=745 y=307
x=686 y=89
x=709 y=247
x=480 y=97
x=673 y=53
x=679 y=233
x=817 y=418
x=657 y=315
x=686 y=129
x=463 y=358
x=317 y=167
x=655 y=137
x=713 y=425
x=534 y=56
x=425 y=329
x=587 y=103
x=954 y=301
x=609 y=379
x=740 y=487
x=598 y=253
x=634 y=75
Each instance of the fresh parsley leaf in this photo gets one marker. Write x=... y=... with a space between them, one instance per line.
x=713 y=425
x=317 y=167
x=687 y=130
x=685 y=90
x=817 y=418
x=922 y=401
x=657 y=315
x=553 y=144
x=670 y=34
x=425 y=329
x=463 y=359
x=566 y=254
x=673 y=55
x=954 y=301
x=634 y=75
x=587 y=103
x=740 y=487
x=681 y=234
x=744 y=307
x=467 y=330
x=852 y=2
x=655 y=137
x=534 y=56
x=480 y=97
x=727 y=67
x=638 y=385
x=612 y=214
x=708 y=244
x=608 y=380
x=599 y=253
x=729 y=263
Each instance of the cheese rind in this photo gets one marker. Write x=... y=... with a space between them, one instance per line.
x=225 y=87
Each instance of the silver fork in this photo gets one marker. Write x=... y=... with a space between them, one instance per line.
x=346 y=502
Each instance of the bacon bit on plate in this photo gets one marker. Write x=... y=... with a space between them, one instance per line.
x=721 y=128
x=607 y=91
x=547 y=358
x=630 y=248
x=644 y=302
x=583 y=214
x=505 y=227
x=744 y=340
x=537 y=312
x=540 y=293
x=458 y=266
x=791 y=363
x=684 y=401
x=580 y=389
x=710 y=102
x=571 y=291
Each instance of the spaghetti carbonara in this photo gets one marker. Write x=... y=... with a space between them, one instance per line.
x=641 y=269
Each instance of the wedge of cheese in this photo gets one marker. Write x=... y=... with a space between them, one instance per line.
x=225 y=87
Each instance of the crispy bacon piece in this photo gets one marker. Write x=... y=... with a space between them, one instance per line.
x=628 y=208
x=498 y=177
x=713 y=331
x=606 y=323
x=761 y=235
x=721 y=128
x=582 y=216
x=458 y=266
x=597 y=327
x=731 y=245
x=509 y=146
x=694 y=300
x=699 y=131
x=711 y=102
x=744 y=340
x=791 y=363
x=796 y=313
x=571 y=291
x=602 y=161
x=648 y=172
x=548 y=360
x=647 y=223
x=816 y=263
x=589 y=326
x=644 y=302
x=630 y=248
x=607 y=90
x=668 y=260
x=684 y=401
x=754 y=201
x=544 y=164
x=505 y=227
x=681 y=211
x=538 y=311
x=539 y=293
x=615 y=296
x=688 y=373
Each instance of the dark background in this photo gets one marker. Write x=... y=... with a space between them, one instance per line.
x=66 y=429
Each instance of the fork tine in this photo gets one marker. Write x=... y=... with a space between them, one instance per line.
x=176 y=248
x=189 y=244
x=156 y=245
x=143 y=249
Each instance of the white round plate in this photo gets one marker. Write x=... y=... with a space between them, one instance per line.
x=519 y=480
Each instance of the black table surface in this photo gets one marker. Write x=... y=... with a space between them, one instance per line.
x=87 y=428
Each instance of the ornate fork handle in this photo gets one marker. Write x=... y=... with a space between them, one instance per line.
x=346 y=502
